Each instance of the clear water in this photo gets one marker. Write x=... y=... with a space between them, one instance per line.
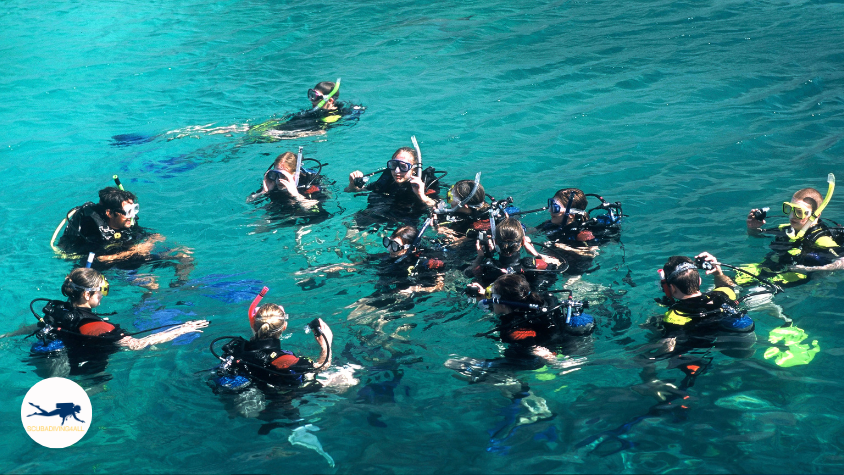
x=688 y=112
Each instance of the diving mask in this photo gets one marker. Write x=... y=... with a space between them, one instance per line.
x=555 y=208
x=102 y=288
x=275 y=174
x=130 y=210
x=800 y=211
x=403 y=166
x=393 y=245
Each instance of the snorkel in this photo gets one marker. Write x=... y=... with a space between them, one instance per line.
x=90 y=260
x=329 y=96
x=443 y=210
x=831 y=180
x=415 y=243
x=117 y=182
x=418 y=156
x=298 y=168
x=254 y=306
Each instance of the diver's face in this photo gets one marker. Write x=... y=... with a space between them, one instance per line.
x=557 y=212
x=797 y=223
x=402 y=251
x=398 y=175
x=118 y=220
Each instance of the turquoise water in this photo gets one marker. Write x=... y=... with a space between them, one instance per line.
x=690 y=113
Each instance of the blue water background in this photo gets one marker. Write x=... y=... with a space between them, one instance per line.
x=690 y=113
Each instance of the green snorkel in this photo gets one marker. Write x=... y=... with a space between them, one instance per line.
x=329 y=96
x=117 y=182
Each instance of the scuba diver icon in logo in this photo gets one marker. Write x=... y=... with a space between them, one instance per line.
x=63 y=410
x=62 y=426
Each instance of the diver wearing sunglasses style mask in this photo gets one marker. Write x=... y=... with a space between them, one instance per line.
x=279 y=185
x=805 y=244
x=400 y=181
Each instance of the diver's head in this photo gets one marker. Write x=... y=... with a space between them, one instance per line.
x=509 y=235
x=513 y=288
x=320 y=92
x=460 y=191
x=682 y=277
x=557 y=205
x=402 y=164
x=85 y=287
x=119 y=206
x=270 y=320
x=401 y=239
x=802 y=206
x=284 y=167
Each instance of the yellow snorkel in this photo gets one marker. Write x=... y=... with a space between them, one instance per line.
x=831 y=180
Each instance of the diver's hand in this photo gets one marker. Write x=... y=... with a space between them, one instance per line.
x=754 y=224
x=352 y=177
x=716 y=266
x=549 y=259
x=419 y=188
x=475 y=290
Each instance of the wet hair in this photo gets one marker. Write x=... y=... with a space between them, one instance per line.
x=406 y=233
x=578 y=201
x=269 y=321
x=810 y=196
x=687 y=281
x=112 y=198
x=510 y=230
x=515 y=288
x=325 y=88
x=462 y=189
x=286 y=161
x=78 y=280
x=411 y=151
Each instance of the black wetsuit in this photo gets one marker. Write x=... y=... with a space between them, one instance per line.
x=283 y=206
x=393 y=202
x=532 y=268
x=88 y=231
x=265 y=363
x=86 y=337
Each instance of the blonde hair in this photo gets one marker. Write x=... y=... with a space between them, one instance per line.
x=286 y=161
x=269 y=321
x=810 y=196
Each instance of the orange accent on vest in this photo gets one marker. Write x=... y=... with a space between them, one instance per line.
x=96 y=328
x=482 y=225
x=693 y=368
x=541 y=264
x=522 y=334
x=284 y=361
x=585 y=236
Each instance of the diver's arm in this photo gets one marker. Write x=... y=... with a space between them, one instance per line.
x=324 y=338
x=419 y=188
x=837 y=264
x=138 y=250
x=721 y=279
x=162 y=337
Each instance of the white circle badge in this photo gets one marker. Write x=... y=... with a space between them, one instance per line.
x=56 y=413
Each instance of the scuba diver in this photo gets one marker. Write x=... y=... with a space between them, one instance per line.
x=87 y=337
x=408 y=267
x=804 y=245
x=327 y=112
x=110 y=230
x=508 y=238
x=403 y=191
x=298 y=193
x=260 y=361
x=573 y=233
x=702 y=320
x=464 y=209
x=535 y=327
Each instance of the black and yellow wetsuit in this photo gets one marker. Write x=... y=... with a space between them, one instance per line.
x=816 y=247
x=305 y=121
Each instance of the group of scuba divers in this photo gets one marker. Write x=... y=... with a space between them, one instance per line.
x=474 y=234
